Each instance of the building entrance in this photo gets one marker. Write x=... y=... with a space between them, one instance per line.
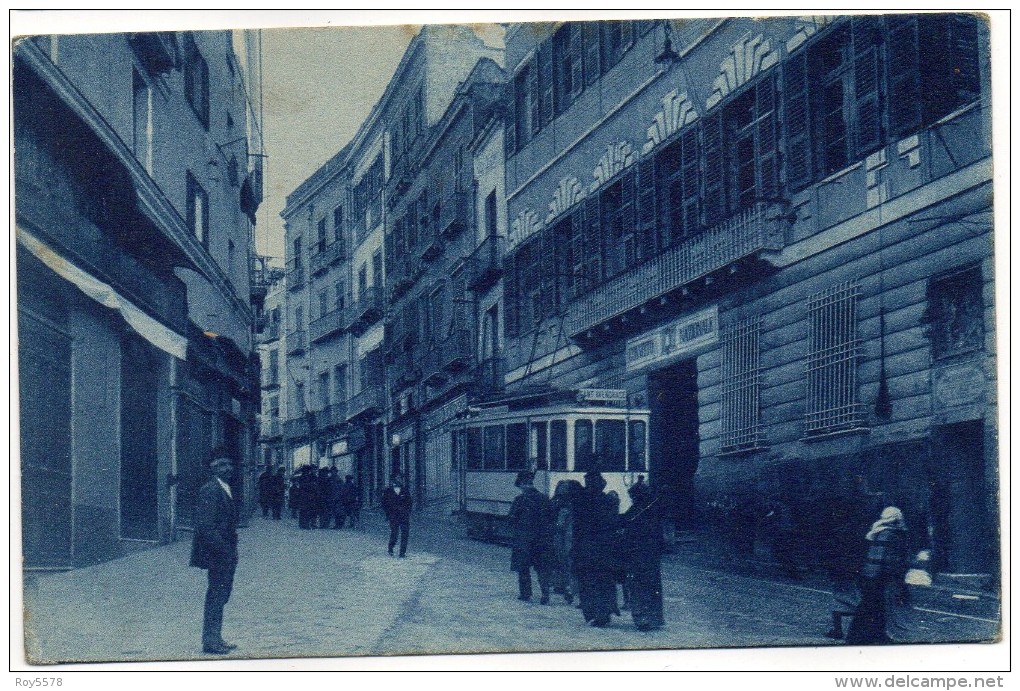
x=673 y=436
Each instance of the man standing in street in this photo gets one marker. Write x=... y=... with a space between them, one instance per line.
x=531 y=517
x=396 y=504
x=214 y=548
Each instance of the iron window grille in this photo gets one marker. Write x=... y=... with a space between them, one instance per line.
x=741 y=387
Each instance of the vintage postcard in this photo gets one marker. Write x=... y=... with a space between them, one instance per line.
x=504 y=333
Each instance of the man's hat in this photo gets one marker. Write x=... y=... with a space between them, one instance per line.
x=220 y=453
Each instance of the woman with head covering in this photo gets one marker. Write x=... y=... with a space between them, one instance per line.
x=594 y=532
x=882 y=575
x=642 y=551
x=564 y=500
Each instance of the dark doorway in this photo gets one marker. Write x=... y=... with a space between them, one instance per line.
x=139 y=372
x=673 y=436
x=962 y=538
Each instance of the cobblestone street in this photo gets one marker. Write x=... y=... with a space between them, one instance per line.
x=337 y=593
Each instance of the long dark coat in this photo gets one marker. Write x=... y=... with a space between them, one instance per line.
x=881 y=582
x=642 y=551
x=531 y=525
x=595 y=524
x=214 y=544
x=397 y=507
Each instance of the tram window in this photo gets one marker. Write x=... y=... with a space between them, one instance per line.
x=474 y=448
x=494 y=448
x=537 y=449
x=517 y=446
x=638 y=461
x=558 y=445
x=610 y=449
x=584 y=455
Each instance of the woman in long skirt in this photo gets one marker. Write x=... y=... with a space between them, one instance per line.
x=643 y=544
x=882 y=575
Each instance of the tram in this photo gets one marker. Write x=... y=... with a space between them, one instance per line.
x=556 y=440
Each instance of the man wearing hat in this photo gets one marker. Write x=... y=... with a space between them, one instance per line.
x=214 y=548
x=396 y=504
x=531 y=521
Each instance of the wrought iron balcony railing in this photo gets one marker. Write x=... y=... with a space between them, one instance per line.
x=331 y=254
x=402 y=274
x=296 y=428
x=271 y=429
x=758 y=229
x=295 y=274
x=326 y=325
x=454 y=214
x=367 y=402
x=405 y=370
x=365 y=311
x=297 y=342
x=485 y=265
x=331 y=417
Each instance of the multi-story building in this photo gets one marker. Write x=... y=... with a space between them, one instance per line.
x=335 y=224
x=134 y=208
x=435 y=258
x=270 y=336
x=776 y=234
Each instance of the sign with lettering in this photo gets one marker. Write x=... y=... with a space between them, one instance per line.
x=680 y=337
x=602 y=395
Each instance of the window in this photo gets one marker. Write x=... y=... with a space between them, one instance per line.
x=584 y=451
x=273 y=375
x=198 y=211
x=617 y=207
x=340 y=383
x=638 y=461
x=377 y=268
x=568 y=61
x=741 y=386
x=299 y=398
x=537 y=445
x=490 y=214
x=677 y=171
x=323 y=302
x=338 y=224
x=617 y=38
x=362 y=280
x=494 y=448
x=321 y=235
x=955 y=316
x=340 y=295
x=324 y=390
x=558 y=445
x=525 y=101
x=610 y=445
x=474 y=449
x=517 y=446
x=231 y=256
x=299 y=318
x=832 y=361
x=142 y=133
x=196 y=80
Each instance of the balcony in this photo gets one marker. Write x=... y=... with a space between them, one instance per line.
x=297 y=342
x=454 y=214
x=452 y=355
x=402 y=275
x=751 y=233
x=365 y=312
x=295 y=274
x=296 y=428
x=326 y=325
x=271 y=429
x=331 y=417
x=157 y=51
x=330 y=254
x=270 y=333
x=366 y=403
x=485 y=265
x=404 y=369
x=489 y=377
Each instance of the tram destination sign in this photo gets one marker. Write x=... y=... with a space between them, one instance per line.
x=680 y=337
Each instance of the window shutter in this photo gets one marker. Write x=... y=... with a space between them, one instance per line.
x=546 y=82
x=646 y=208
x=904 y=75
x=576 y=58
x=592 y=242
x=511 y=298
x=866 y=84
x=592 y=52
x=714 y=175
x=576 y=250
x=549 y=269
x=797 y=121
x=965 y=68
x=768 y=176
x=510 y=118
x=692 y=196
x=535 y=101
x=628 y=219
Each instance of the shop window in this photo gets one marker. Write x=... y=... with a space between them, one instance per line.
x=832 y=361
x=741 y=387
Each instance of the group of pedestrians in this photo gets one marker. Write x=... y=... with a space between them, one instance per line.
x=272 y=488
x=318 y=498
x=580 y=545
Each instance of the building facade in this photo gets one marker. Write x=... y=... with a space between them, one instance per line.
x=776 y=234
x=134 y=209
x=270 y=336
x=336 y=298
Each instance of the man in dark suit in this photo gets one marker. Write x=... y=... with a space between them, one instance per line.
x=396 y=504
x=215 y=548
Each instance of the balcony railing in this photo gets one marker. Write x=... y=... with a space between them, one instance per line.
x=485 y=265
x=489 y=377
x=296 y=428
x=367 y=402
x=331 y=254
x=405 y=370
x=295 y=274
x=451 y=355
x=296 y=342
x=271 y=332
x=402 y=275
x=759 y=229
x=271 y=429
x=326 y=325
x=331 y=417
x=454 y=214
x=365 y=312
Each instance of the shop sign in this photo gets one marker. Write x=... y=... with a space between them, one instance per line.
x=680 y=337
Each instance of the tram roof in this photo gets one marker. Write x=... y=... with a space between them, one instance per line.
x=502 y=413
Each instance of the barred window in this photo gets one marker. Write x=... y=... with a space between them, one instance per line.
x=832 y=361
x=741 y=387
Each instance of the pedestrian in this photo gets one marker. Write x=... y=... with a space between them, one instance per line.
x=263 y=488
x=531 y=516
x=323 y=513
x=309 y=498
x=294 y=496
x=616 y=551
x=214 y=548
x=595 y=526
x=882 y=586
x=642 y=549
x=564 y=498
x=843 y=542
x=277 y=491
x=349 y=500
x=334 y=499
x=396 y=504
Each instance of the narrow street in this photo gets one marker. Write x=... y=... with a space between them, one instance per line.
x=337 y=593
